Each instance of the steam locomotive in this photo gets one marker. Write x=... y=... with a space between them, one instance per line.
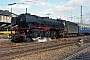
x=29 y=26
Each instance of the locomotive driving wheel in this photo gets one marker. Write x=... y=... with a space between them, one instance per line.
x=28 y=39
x=35 y=33
x=53 y=34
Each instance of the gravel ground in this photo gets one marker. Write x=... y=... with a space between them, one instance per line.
x=5 y=41
x=57 y=54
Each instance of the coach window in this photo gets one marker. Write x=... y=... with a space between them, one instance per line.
x=84 y=27
x=88 y=28
x=80 y=27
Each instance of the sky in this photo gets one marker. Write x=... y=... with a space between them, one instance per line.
x=64 y=9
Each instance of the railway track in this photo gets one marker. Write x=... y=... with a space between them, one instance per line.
x=84 y=54
x=17 y=51
x=62 y=40
x=10 y=51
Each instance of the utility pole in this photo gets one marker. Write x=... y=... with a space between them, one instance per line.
x=11 y=13
x=81 y=16
x=11 y=6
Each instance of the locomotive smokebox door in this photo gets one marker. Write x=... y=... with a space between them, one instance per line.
x=13 y=20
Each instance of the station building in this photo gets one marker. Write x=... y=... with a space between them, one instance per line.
x=5 y=21
x=5 y=16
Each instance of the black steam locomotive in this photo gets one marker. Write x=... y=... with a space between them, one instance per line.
x=29 y=26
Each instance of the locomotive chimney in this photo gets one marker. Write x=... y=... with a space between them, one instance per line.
x=26 y=10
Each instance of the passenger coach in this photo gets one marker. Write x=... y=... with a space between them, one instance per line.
x=83 y=29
